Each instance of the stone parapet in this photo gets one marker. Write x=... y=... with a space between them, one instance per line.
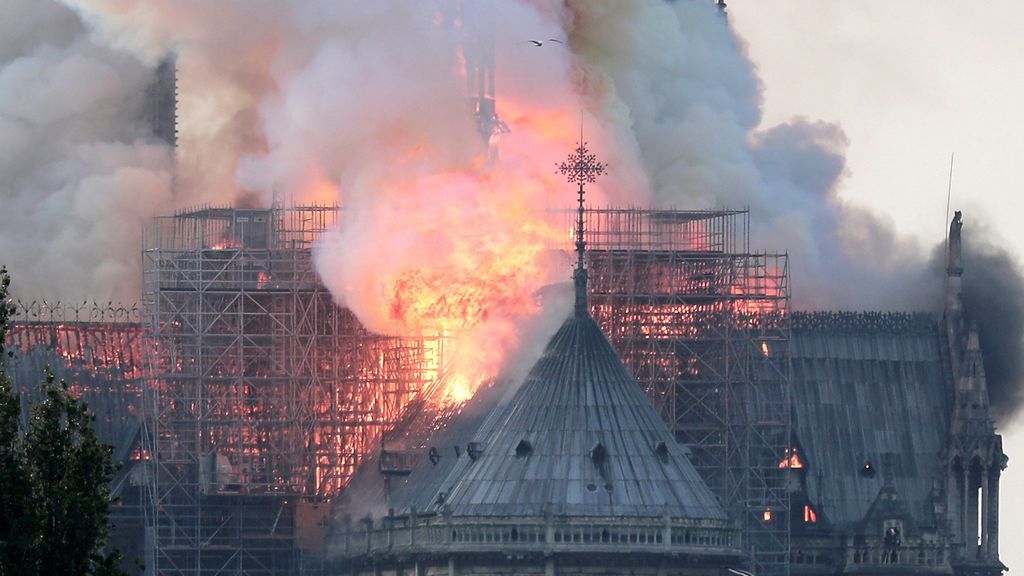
x=437 y=533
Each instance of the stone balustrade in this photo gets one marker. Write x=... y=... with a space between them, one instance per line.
x=923 y=555
x=394 y=534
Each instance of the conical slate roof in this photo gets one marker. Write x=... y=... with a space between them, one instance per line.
x=579 y=437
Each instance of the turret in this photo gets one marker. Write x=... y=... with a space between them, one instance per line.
x=475 y=27
x=971 y=413
x=975 y=459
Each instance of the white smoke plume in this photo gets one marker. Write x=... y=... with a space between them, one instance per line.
x=347 y=101
x=79 y=171
x=363 y=104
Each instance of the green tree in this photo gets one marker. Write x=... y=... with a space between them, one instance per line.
x=54 y=481
x=16 y=523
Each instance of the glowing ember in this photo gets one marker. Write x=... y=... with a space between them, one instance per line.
x=460 y=388
x=227 y=241
x=792 y=460
x=809 y=515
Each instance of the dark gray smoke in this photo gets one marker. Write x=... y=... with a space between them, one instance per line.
x=684 y=104
x=993 y=293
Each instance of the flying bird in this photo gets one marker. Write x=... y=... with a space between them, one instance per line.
x=539 y=43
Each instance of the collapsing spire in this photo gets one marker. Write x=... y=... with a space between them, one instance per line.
x=581 y=167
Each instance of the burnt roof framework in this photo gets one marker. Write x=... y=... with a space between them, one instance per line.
x=98 y=349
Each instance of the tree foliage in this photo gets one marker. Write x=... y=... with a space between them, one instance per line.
x=54 y=480
x=15 y=532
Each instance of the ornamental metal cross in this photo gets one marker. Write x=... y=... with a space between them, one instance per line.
x=581 y=168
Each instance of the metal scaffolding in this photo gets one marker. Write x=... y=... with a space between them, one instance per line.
x=702 y=322
x=263 y=394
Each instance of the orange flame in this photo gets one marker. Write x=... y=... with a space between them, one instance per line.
x=810 y=516
x=792 y=460
x=463 y=257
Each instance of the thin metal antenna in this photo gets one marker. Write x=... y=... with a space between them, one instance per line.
x=581 y=244
x=949 y=194
x=581 y=126
x=581 y=167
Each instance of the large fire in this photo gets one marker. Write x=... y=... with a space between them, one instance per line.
x=462 y=254
x=445 y=230
x=488 y=265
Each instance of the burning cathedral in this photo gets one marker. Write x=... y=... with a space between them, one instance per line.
x=683 y=420
x=869 y=448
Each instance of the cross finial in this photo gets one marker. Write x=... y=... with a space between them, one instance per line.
x=581 y=167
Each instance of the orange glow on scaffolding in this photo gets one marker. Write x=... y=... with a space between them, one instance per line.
x=379 y=374
x=289 y=390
